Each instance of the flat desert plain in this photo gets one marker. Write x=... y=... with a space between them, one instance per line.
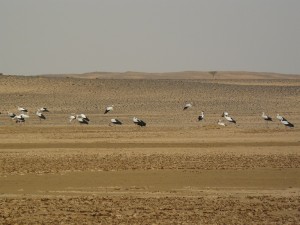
x=176 y=170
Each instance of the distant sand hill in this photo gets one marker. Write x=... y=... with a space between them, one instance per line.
x=179 y=75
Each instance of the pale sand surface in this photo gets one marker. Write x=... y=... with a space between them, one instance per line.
x=173 y=171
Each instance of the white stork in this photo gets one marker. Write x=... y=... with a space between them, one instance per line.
x=266 y=117
x=82 y=120
x=116 y=121
x=287 y=123
x=228 y=118
x=108 y=109
x=139 y=122
x=284 y=121
x=221 y=123
x=43 y=109
x=11 y=115
x=21 y=118
x=201 y=116
x=187 y=105
x=83 y=116
x=22 y=109
x=40 y=115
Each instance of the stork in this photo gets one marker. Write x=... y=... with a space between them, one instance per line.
x=20 y=118
x=287 y=123
x=40 y=115
x=187 y=105
x=109 y=108
x=201 y=116
x=43 y=109
x=116 y=121
x=82 y=120
x=22 y=109
x=266 y=117
x=228 y=118
x=139 y=122
x=284 y=121
x=83 y=116
x=11 y=115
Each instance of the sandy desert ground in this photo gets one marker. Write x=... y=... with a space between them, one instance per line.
x=175 y=170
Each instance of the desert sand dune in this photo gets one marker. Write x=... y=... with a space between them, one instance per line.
x=175 y=170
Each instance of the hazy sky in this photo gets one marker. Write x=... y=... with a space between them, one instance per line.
x=72 y=36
